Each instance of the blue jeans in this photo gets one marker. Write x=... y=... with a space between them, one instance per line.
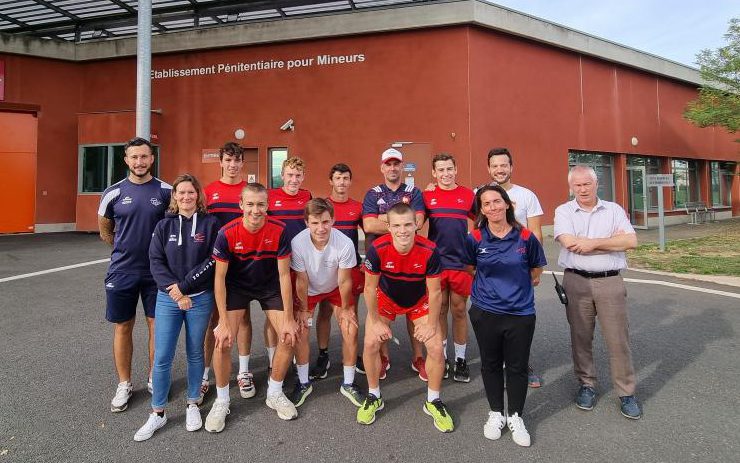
x=168 y=320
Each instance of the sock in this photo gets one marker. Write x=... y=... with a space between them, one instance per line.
x=432 y=395
x=160 y=414
x=444 y=348
x=460 y=351
x=374 y=391
x=206 y=370
x=302 y=373
x=274 y=387
x=323 y=352
x=349 y=374
x=243 y=363
x=222 y=393
x=270 y=354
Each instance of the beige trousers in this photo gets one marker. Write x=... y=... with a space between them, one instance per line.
x=605 y=298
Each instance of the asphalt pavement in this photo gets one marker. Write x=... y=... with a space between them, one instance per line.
x=57 y=379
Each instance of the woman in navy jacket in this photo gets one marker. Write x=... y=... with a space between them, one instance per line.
x=180 y=261
x=508 y=262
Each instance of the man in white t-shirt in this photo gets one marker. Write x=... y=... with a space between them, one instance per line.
x=323 y=259
x=527 y=209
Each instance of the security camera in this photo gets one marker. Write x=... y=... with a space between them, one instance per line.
x=289 y=125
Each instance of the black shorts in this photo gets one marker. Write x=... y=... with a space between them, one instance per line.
x=122 y=292
x=239 y=299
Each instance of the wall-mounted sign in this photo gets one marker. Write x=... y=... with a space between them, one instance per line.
x=2 y=80
x=660 y=180
x=210 y=156
x=251 y=178
x=409 y=167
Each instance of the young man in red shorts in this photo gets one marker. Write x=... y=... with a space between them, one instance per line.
x=322 y=258
x=402 y=278
x=348 y=220
x=449 y=206
x=222 y=200
x=252 y=263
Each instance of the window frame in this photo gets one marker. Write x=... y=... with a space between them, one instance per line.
x=594 y=166
x=270 y=165
x=110 y=160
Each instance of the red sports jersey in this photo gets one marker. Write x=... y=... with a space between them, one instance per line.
x=347 y=219
x=222 y=200
x=448 y=211
x=403 y=276
x=252 y=257
x=288 y=209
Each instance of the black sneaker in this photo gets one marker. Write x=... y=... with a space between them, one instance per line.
x=447 y=370
x=320 y=370
x=300 y=393
x=462 y=372
x=359 y=366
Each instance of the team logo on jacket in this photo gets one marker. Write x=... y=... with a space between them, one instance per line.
x=172 y=238
x=417 y=265
x=278 y=203
x=482 y=251
x=199 y=237
x=155 y=202
x=389 y=265
x=215 y=196
x=238 y=246
x=459 y=201
x=127 y=200
x=521 y=250
x=433 y=202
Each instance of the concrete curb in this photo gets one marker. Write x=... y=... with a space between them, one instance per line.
x=718 y=279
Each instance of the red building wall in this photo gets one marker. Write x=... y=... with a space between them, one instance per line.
x=461 y=89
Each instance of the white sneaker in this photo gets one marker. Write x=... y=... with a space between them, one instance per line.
x=284 y=407
x=149 y=386
x=152 y=424
x=193 y=421
x=518 y=432
x=494 y=425
x=246 y=385
x=120 y=400
x=216 y=419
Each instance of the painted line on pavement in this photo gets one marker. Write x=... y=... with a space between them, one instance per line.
x=53 y=270
x=672 y=285
x=629 y=280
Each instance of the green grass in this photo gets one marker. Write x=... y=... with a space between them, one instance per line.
x=712 y=255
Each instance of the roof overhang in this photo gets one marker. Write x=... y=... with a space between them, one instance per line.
x=403 y=17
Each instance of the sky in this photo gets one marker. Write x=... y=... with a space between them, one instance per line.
x=672 y=29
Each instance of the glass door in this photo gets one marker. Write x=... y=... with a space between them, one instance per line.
x=637 y=187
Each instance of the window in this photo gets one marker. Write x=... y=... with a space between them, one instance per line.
x=722 y=174
x=602 y=164
x=686 y=182
x=102 y=165
x=277 y=157
x=652 y=166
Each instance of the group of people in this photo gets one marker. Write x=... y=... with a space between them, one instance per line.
x=213 y=251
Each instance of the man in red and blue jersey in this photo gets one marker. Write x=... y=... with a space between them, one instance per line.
x=348 y=220
x=449 y=206
x=252 y=263
x=378 y=200
x=402 y=278
x=129 y=210
x=222 y=200
x=286 y=204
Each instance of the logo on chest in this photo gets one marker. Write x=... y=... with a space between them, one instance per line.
x=433 y=202
x=155 y=202
x=389 y=265
x=199 y=237
x=278 y=203
x=215 y=197
x=172 y=238
x=127 y=200
x=238 y=246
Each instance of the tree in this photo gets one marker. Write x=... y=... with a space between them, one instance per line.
x=719 y=99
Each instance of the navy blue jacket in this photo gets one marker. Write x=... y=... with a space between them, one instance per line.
x=180 y=252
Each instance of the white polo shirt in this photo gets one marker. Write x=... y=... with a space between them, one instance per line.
x=526 y=204
x=603 y=221
x=322 y=266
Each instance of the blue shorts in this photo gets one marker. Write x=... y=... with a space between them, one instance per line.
x=122 y=291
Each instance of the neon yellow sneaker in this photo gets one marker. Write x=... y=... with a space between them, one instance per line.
x=442 y=418
x=371 y=405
